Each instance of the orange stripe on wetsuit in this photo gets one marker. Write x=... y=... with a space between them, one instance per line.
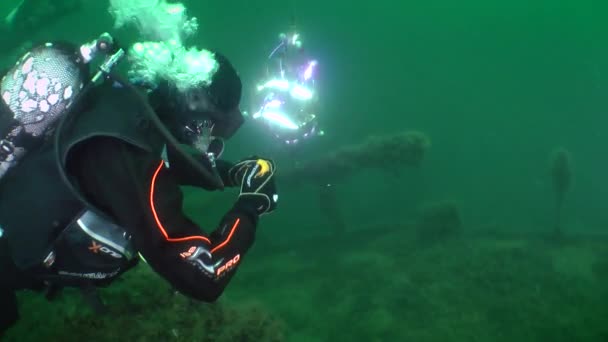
x=189 y=238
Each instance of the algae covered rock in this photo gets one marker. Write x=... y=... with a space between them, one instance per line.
x=385 y=152
x=141 y=307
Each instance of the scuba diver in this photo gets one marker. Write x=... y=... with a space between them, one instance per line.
x=91 y=167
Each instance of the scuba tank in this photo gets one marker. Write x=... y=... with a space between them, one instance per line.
x=39 y=91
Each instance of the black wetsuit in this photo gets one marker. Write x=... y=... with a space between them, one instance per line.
x=143 y=195
x=132 y=186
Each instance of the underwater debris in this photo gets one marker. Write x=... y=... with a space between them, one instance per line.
x=387 y=153
x=439 y=221
x=561 y=171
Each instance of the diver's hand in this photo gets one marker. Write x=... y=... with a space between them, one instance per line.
x=258 y=188
x=236 y=171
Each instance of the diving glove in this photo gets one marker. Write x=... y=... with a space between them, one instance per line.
x=255 y=176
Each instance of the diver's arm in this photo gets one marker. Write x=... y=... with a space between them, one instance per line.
x=145 y=198
x=197 y=264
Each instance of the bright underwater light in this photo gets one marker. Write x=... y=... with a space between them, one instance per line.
x=286 y=100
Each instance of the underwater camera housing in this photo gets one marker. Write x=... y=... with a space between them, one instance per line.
x=38 y=91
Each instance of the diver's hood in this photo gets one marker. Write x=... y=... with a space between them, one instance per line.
x=214 y=107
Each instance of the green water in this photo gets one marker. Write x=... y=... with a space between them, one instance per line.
x=497 y=86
